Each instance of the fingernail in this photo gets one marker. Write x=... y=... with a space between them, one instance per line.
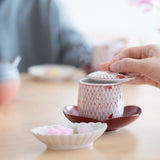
x=115 y=67
x=103 y=66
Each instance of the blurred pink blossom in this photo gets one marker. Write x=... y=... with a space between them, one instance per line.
x=147 y=4
x=141 y=2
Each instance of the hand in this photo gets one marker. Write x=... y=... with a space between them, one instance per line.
x=143 y=61
x=106 y=52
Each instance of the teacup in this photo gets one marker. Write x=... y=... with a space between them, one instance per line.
x=100 y=100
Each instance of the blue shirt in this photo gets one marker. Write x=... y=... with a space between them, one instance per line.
x=40 y=32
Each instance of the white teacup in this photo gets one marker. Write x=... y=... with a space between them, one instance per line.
x=100 y=100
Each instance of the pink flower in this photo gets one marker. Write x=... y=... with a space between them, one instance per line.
x=148 y=4
x=60 y=130
x=84 y=128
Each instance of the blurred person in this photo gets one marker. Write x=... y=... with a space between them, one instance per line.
x=143 y=61
x=41 y=33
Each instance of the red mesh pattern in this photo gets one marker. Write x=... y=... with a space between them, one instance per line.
x=100 y=102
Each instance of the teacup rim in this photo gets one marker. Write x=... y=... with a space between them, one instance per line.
x=112 y=83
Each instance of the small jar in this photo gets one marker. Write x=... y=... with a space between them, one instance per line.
x=9 y=82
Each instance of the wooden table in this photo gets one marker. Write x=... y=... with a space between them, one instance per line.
x=40 y=103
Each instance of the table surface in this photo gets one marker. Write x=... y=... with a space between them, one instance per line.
x=40 y=103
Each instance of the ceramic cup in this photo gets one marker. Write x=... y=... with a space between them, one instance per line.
x=100 y=100
x=8 y=90
x=9 y=80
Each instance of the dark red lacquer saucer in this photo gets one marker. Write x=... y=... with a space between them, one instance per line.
x=131 y=113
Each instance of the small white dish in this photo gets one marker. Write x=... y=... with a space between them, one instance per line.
x=107 y=76
x=52 y=72
x=73 y=141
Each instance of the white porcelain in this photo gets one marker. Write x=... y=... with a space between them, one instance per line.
x=9 y=71
x=73 y=141
x=100 y=101
x=107 y=76
x=52 y=72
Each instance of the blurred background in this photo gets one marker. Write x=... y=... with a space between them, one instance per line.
x=105 y=20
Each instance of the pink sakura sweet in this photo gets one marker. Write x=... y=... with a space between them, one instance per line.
x=84 y=128
x=60 y=130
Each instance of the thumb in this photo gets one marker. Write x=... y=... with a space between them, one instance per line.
x=130 y=65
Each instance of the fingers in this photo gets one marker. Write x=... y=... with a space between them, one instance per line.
x=104 y=66
x=130 y=65
x=140 y=52
x=142 y=60
x=143 y=80
x=134 y=52
x=127 y=53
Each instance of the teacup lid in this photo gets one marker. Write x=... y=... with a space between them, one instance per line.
x=8 y=71
x=107 y=76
